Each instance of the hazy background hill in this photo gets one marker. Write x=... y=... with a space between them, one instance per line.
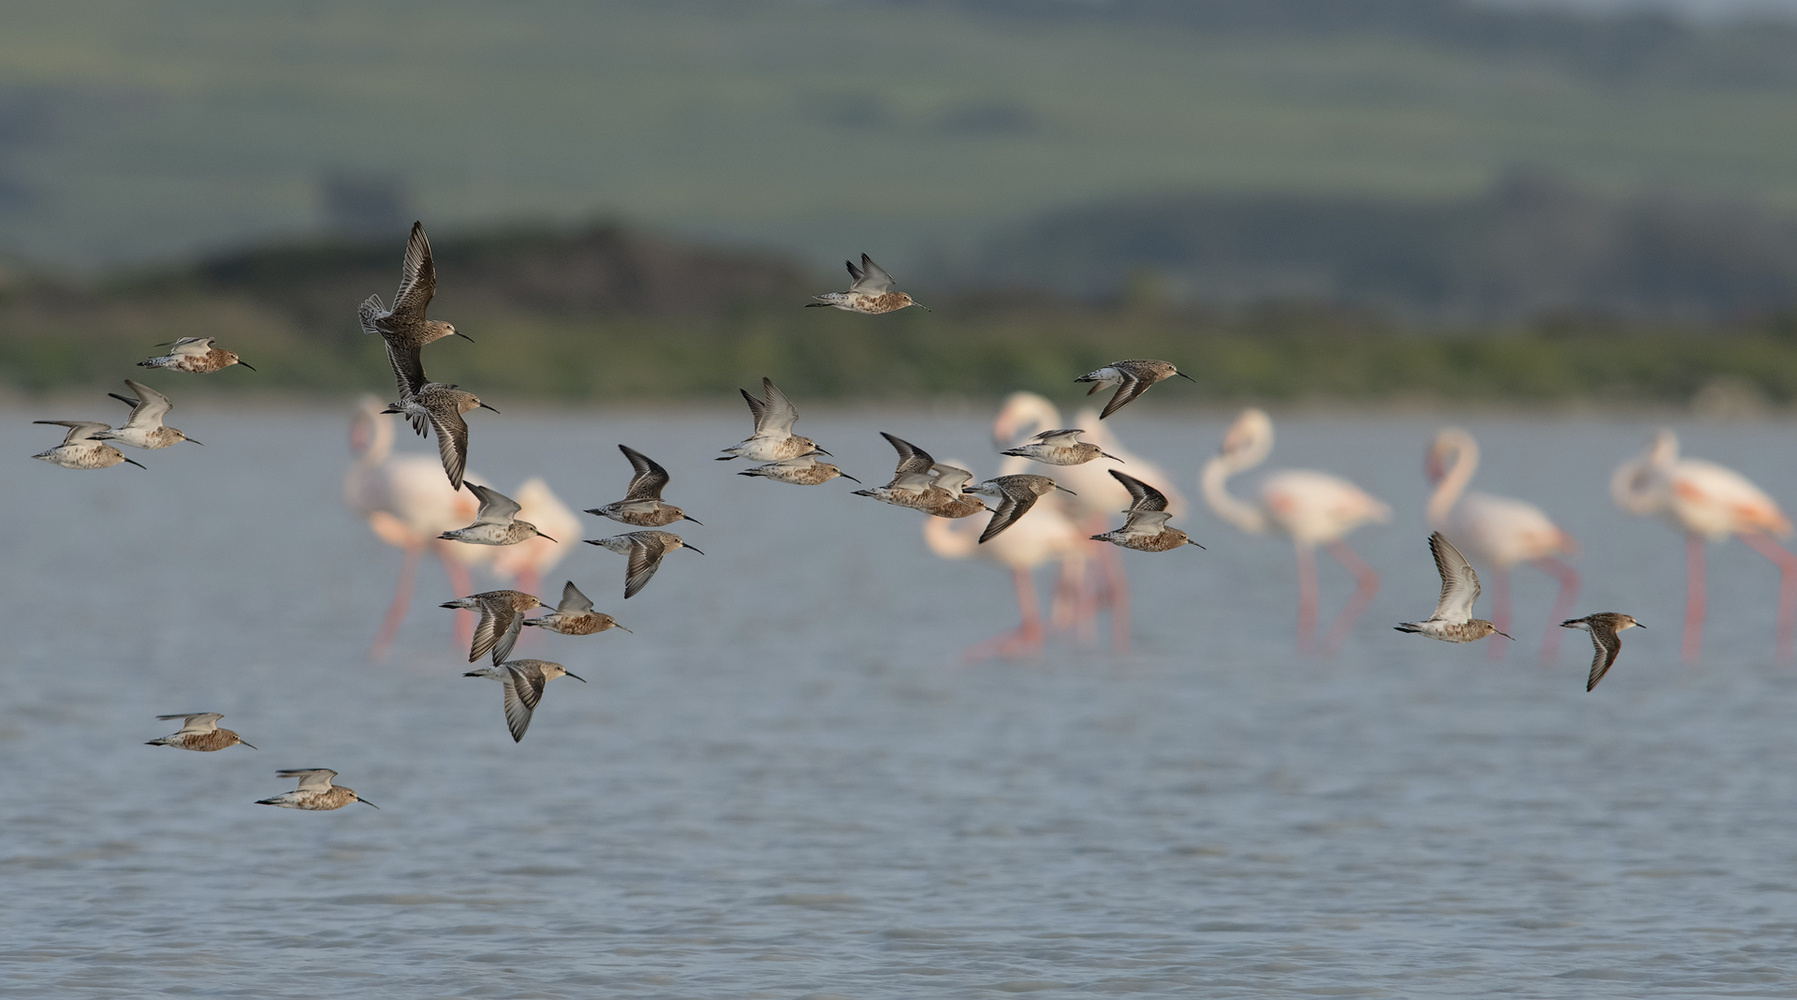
x=1064 y=180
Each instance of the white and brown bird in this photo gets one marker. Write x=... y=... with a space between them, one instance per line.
x=501 y=616
x=199 y=731
x=773 y=440
x=440 y=407
x=870 y=292
x=1015 y=494
x=1145 y=529
x=496 y=522
x=194 y=355
x=645 y=549
x=921 y=483
x=1060 y=447
x=1453 y=619
x=642 y=505
x=801 y=471
x=315 y=791
x=81 y=447
x=575 y=615
x=404 y=327
x=144 y=428
x=1132 y=378
x=524 y=682
x=1603 y=627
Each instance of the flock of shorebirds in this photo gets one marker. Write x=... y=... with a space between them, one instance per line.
x=1312 y=508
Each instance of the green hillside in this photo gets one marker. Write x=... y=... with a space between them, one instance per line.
x=132 y=131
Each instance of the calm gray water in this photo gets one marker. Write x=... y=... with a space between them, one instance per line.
x=786 y=784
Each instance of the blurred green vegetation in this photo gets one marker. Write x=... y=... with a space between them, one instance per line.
x=131 y=131
x=57 y=340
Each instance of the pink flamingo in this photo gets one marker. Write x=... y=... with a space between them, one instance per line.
x=1709 y=502
x=408 y=502
x=1045 y=533
x=1499 y=531
x=1099 y=498
x=1312 y=508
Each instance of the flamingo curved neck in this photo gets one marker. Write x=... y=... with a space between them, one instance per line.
x=1025 y=415
x=1453 y=485
x=1212 y=482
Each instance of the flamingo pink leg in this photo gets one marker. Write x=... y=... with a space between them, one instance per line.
x=1366 y=586
x=1117 y=596
x=1026 y=637
x=1563 y=603
x=1500 y=611
x=1073 y=607
x=1787 y=589
x=1307 y=597
x=1694 y=598
x=402 y=602
x=462 y=585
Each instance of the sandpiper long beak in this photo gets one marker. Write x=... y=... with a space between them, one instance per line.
x=1184 y=375
x=464 y=336
x=614 y=624
x=1064 y=489
x=192 y=441
x=684 y=546
x=486 y=407
x=246 y=364
x=1112 y=457
x=925 y=308
x=366 y=802
x=1505 y=635
x=1639 y=625
x=848 y=477
x=247 y=743
x=570 y=673
x=137 y=463
x=541 y=535
x=820 y=451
